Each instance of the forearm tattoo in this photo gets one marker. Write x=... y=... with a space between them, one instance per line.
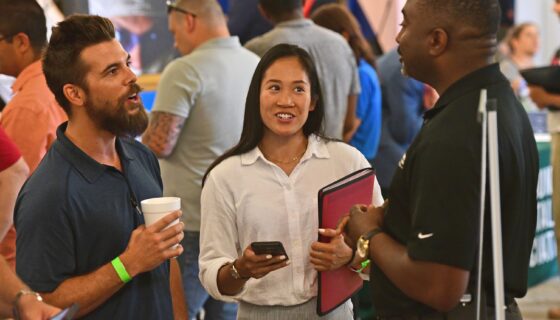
x=163 y=132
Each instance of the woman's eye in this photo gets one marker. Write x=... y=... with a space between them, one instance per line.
x=299 y=89
x=274 y=87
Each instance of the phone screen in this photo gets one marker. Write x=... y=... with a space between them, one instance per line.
x=274 y=248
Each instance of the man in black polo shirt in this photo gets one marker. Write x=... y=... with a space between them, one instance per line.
x=80 y=235
x=424 y=246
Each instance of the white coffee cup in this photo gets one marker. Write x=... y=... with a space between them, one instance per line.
x=156 y=208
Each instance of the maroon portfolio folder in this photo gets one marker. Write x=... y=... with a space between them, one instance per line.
x=335 y=200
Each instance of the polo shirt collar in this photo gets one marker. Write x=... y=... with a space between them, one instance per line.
x=475 y=80
x=89 y=168
x=31 y=71
x=315 y=148
x=296 y=23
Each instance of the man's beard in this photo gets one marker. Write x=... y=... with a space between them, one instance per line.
x=117 y=120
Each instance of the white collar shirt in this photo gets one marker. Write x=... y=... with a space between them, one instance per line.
x=247 y=198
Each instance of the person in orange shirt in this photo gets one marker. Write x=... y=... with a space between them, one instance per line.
x=30 y=119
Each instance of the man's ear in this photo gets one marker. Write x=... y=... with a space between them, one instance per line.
x=74 y=94
x=21 y=42
x=190 y=22
x=438 y=41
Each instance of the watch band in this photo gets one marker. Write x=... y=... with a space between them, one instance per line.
x=23 y=292
x=372 y=233
x=362 y=245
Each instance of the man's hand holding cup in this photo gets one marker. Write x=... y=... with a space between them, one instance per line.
x=158 y=240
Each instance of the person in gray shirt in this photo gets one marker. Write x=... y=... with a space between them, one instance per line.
x=333 y=58
x=197 y=116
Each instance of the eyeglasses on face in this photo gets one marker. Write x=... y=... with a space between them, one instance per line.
x=172 y=6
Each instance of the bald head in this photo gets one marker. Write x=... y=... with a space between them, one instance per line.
x=209 y=11
x=480 y=16
x=472 y=25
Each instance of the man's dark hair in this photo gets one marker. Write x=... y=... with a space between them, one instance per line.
x=61 y=60
x=23 y=16
x=481 y=15
x=253 y=125
x=278 y=8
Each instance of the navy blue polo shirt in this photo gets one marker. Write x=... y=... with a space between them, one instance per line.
x=435 y=194
x=75 y=215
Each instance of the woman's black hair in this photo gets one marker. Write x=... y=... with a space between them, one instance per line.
x=253 y=126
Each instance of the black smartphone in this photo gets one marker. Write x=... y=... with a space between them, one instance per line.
x=66 y=314
x=274 y=248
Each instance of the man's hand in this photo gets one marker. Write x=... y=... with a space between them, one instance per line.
x=332 y=255
x=363 y=219
x=150 y=246
x=257 y=266
x=30 y=308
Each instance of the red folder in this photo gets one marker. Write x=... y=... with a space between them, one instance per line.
x=335 y=200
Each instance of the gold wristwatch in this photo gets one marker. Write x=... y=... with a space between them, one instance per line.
x=362 y=247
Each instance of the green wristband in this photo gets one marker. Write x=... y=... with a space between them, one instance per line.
x=363 y=265
x=121 y=270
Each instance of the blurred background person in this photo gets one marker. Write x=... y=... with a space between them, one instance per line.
x=245 y=21
x=13 y=293
x=197 y=116
x=339 y=19
x=13 y=172
x=523 y=44
x=31 y=117
x=551 y=102
x=402 y=110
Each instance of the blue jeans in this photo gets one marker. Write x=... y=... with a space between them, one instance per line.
x=197 y=298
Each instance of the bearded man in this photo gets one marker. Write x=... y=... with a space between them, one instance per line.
x=81 y=236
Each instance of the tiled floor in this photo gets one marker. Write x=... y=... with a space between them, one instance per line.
x=535 y=304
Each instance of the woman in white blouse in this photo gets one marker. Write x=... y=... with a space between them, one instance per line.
x=265 y=189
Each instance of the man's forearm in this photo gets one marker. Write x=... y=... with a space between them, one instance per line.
x=163 y=132
x=89 y=291
x=177 y=293
x=11 y=284
x=436 y=285
x=11 y=180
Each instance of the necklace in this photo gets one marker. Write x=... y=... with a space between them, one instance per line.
x=284 y=161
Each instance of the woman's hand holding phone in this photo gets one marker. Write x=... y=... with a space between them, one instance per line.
x=257 y=266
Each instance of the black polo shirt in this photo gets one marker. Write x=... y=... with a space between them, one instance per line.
x=74 y=215
x=435 y=193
